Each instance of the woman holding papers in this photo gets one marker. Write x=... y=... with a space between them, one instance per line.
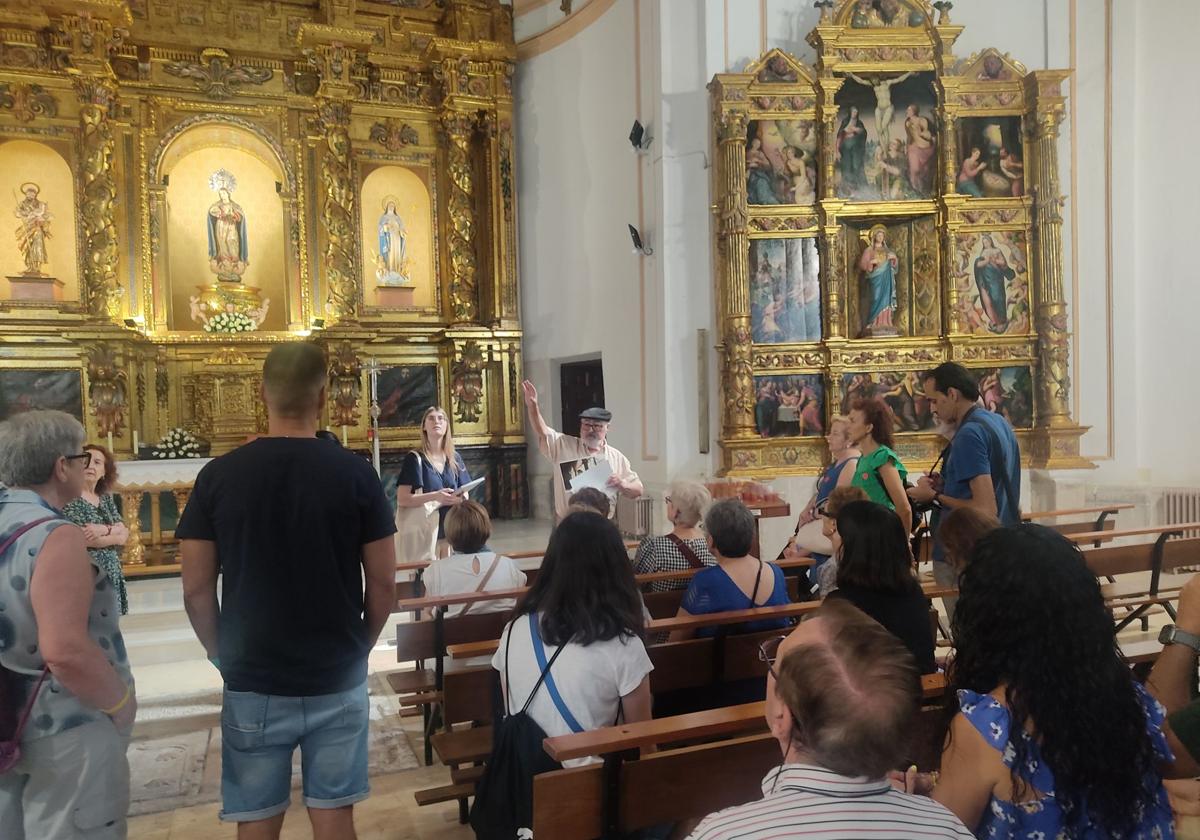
x=428 y=481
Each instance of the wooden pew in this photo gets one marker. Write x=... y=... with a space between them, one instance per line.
x=1100 y=523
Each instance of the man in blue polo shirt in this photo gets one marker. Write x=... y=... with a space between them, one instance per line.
x=983 y=467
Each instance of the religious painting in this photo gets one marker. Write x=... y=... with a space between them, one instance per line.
x=396 y=216
x=887 y=137
x=781 y=162
x=785 y=292
x=405 y=392
x=791 y=405
x=1008 y=391
x=893 y=274
x=39 y=390
x=991 y=163
x=886 y=14
x=992 y=275
x=903 y=392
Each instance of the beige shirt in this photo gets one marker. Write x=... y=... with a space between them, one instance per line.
x=571 y=458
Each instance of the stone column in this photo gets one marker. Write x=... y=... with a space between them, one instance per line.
x=733 y=243
x=459 y=130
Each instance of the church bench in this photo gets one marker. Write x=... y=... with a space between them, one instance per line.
x=1102 y=512
x=1167 y=553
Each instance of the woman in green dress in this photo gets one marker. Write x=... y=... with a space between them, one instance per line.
x=96 y=513
x=879 y=472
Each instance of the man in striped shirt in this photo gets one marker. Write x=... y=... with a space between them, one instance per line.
x=842 y=697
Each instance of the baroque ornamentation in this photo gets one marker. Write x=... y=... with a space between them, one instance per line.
x=345 y=384
x=464 y=299
x=102 y=289
x=108 y=390
x=770 y=224
x=27 y=101
x=162 y=380
x=737 y=381
x=466 y=383
x=784 y=103
x=890 y=356
x=993 y=352
x=394 y=135
x=789 y=360
x=337 y=211
x=1054 y=348
x=1000 y=99
x=991 y=217
x=217 y=75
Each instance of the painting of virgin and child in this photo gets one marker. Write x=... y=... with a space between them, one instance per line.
x=789 y=406
x=781 y=165
x=785 y=292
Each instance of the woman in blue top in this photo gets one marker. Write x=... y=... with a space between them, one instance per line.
x=738 y=581
x=1051 y=736
x=431 y=474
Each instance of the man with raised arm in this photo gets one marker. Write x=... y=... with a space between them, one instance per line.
x=573 y=456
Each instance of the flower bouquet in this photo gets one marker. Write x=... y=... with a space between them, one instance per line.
x=230 y=322
x=177 y=443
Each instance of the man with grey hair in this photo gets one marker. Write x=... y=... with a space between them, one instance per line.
x=293 y=524
x=842 y=698
x=59 y=645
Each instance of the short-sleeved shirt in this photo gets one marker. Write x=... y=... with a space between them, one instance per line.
x=713 y=590
x=660 y=554
x=289 y=517
x=866 y=475
x=416 y=472
x=591 y=679
x=1043 y=817
x=971 y=456
x=456 y=574
x=571 y=458
x=903 y=614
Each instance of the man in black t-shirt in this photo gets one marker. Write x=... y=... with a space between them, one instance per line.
x=293 y=524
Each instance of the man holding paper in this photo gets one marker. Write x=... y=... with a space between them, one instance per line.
x=584 y=461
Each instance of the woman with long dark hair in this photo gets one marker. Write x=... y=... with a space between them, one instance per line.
x=875 y=574
x=1050 y=736
x=586 y=601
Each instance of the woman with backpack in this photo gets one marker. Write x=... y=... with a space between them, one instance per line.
x=879 y=472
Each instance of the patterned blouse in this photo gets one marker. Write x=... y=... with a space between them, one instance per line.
x=82 y=512
x=660 y=554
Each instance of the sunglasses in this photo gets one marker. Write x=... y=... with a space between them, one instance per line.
x=86 y=457
x=768 y=652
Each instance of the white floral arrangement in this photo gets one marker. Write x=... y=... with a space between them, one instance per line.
x=177 y=443
x=230 y=322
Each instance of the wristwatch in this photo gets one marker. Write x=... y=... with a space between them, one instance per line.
x=1172 y=635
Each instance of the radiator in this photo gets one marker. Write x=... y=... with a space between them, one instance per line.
x=635 y=517
x=1181 y=504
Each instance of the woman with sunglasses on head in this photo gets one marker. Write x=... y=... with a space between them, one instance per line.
x=96 y=513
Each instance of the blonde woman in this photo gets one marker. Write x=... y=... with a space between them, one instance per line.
x=428 y=478
x=685 y=546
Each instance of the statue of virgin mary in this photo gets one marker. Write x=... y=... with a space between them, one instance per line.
x=228 y=249
x=393 y=268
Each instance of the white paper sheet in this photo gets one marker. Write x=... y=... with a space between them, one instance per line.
x=468 y=487
x=596 y=476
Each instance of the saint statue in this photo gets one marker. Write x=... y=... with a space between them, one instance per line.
x=34 y=230
x=393 y=243
x=228 y=248
x=879 y=265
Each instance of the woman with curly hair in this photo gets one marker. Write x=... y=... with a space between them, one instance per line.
x=1050 y=735
x=879 y=471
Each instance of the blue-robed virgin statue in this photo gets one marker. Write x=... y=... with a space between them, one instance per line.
x=228 y=247
x=392 y=270
x=992 y=272
x=879 y=264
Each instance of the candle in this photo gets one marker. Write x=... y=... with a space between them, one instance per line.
x=135 y=441
x=344 y=435
x=110 y=445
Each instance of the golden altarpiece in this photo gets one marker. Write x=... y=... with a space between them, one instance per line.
x=191 y=183
x=888 y=209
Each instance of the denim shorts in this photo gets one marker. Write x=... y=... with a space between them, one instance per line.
x=260 y=732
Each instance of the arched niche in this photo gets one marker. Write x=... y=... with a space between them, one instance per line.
x=24 y=162
x=183 y=189
x=407 y=192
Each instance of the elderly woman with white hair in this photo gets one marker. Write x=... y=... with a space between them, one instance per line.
x=685 y=547
x=61 y=654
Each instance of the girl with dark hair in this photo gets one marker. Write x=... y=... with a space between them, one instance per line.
x=879 y=472
x=586 y=601
x=875 y=574
x=1050 y=737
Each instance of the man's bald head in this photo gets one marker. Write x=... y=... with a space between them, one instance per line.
x=294 y=379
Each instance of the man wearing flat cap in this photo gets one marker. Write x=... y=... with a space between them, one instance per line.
x=576 y=455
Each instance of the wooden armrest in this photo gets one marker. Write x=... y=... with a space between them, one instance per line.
x=1050 y=514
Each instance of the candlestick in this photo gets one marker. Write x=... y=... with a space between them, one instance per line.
x=135 y=442
x=110 y=445
x=344 y=435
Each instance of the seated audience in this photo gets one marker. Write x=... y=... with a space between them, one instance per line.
x=875 y=574
x=960 y=529
x=738 y=581
x=842 y=700
x=839 y=498
x=471 y=567
x=685 y=547
x=585 y=600
x=96 y=513
x=879 y=472
x=59 y=644
x=591 y=499
x=1052 y=737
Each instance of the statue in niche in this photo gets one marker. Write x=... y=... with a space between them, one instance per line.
x=228 y=248
x=879 y=266
x=393 y=244
x=34 y=230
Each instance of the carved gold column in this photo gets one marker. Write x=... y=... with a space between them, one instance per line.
x=337 y=211
x=835 y=280
x=459 y=129
x=135 y=552
x=1053 y=381
x=499 y=304
x=733 y=242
